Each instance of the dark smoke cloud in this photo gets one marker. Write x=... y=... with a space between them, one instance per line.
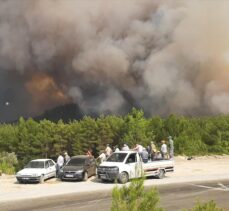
x=108 y=55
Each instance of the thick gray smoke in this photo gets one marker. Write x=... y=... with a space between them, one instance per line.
x=109 y=55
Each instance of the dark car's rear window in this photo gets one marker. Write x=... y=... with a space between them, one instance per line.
x=76 y=162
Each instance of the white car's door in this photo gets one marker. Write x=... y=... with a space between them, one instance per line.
x=52 y=167
x=47 y=170
x=132 y=165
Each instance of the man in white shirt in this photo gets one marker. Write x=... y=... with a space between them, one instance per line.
x=164 y=150
x=125 y=147
x=108 y=151
x=102 y=157
x=59 y=164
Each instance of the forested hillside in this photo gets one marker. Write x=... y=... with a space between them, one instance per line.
x=192 y=136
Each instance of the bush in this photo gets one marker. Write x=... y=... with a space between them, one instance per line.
x=8 y=162
x=134 y=198
x=208 y=206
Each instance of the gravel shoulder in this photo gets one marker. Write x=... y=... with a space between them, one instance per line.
x=186 y=171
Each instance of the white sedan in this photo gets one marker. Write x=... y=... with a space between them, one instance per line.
x=37 y=171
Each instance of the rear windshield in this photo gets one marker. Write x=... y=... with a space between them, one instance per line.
x=117 y=157
x=76 y=162
x=35 y=164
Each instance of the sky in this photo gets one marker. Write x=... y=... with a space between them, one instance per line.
x=107 y=56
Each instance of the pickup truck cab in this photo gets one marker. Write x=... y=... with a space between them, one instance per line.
x=125 y=165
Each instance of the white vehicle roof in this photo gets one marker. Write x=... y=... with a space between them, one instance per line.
x=45 y=159
x=127 y=151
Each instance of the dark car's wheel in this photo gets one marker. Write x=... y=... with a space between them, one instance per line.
x=85 y=176
x=42 y=179
x=123 y=178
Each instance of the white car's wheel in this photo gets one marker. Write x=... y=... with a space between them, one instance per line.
x=161 y=174
x=42 y=179
x=123 y=178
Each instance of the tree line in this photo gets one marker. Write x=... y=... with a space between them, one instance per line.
x=30 y=139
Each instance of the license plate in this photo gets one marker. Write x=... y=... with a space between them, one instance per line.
x=68 y=175
x=103 y=176
x=25 y=178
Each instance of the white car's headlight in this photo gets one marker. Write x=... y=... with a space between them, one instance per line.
x=18 y=174
x=35 y=175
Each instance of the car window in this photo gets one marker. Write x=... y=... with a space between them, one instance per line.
x=131 y=158
x=35 y=164
x=76 y=162
x=117 y=157
x=51 y=163
x=46 y=164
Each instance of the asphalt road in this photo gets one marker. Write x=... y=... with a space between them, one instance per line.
x=173 y=198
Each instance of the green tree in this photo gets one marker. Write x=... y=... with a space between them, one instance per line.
x=133 y=197
x=136 y=129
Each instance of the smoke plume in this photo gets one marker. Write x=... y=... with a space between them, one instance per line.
x=109 y=55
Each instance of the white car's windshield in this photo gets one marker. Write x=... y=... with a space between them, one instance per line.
x=35 y=164
x=117 y=157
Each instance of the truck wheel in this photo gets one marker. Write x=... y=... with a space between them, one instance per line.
x=85 y=177
x=161 y=174
x=123 y=178
x=41 y=178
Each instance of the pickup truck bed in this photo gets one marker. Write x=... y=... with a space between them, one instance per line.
x=155 y=168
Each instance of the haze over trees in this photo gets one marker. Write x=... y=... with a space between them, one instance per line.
x=30 y=139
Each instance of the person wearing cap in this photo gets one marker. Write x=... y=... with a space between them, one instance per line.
x=171 y=147
x=125 y=147
x=164 y=150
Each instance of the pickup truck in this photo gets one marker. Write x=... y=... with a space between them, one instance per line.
x=125 y=165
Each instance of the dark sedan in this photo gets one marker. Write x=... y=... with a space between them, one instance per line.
x=78 y=168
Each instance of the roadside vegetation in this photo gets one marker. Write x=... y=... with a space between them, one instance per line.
x=8 y=161
x=134 y=197
x=31 y=139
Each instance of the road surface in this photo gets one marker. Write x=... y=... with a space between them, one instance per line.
x=174 y=197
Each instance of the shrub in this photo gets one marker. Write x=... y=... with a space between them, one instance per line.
x=208 y=206
x=134 y=198
x=7 y=162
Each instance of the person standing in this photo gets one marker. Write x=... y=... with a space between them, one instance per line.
x=59 y=164
x=144 y=155
x=89 y=153
x=66 y=157
x=139 y=149
x=125 y=147
x=102 y=157
x=108 y=150
x=164 y=150
x=153 y=150
x=171 y=147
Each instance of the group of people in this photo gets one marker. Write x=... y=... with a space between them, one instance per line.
x=147 y=153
